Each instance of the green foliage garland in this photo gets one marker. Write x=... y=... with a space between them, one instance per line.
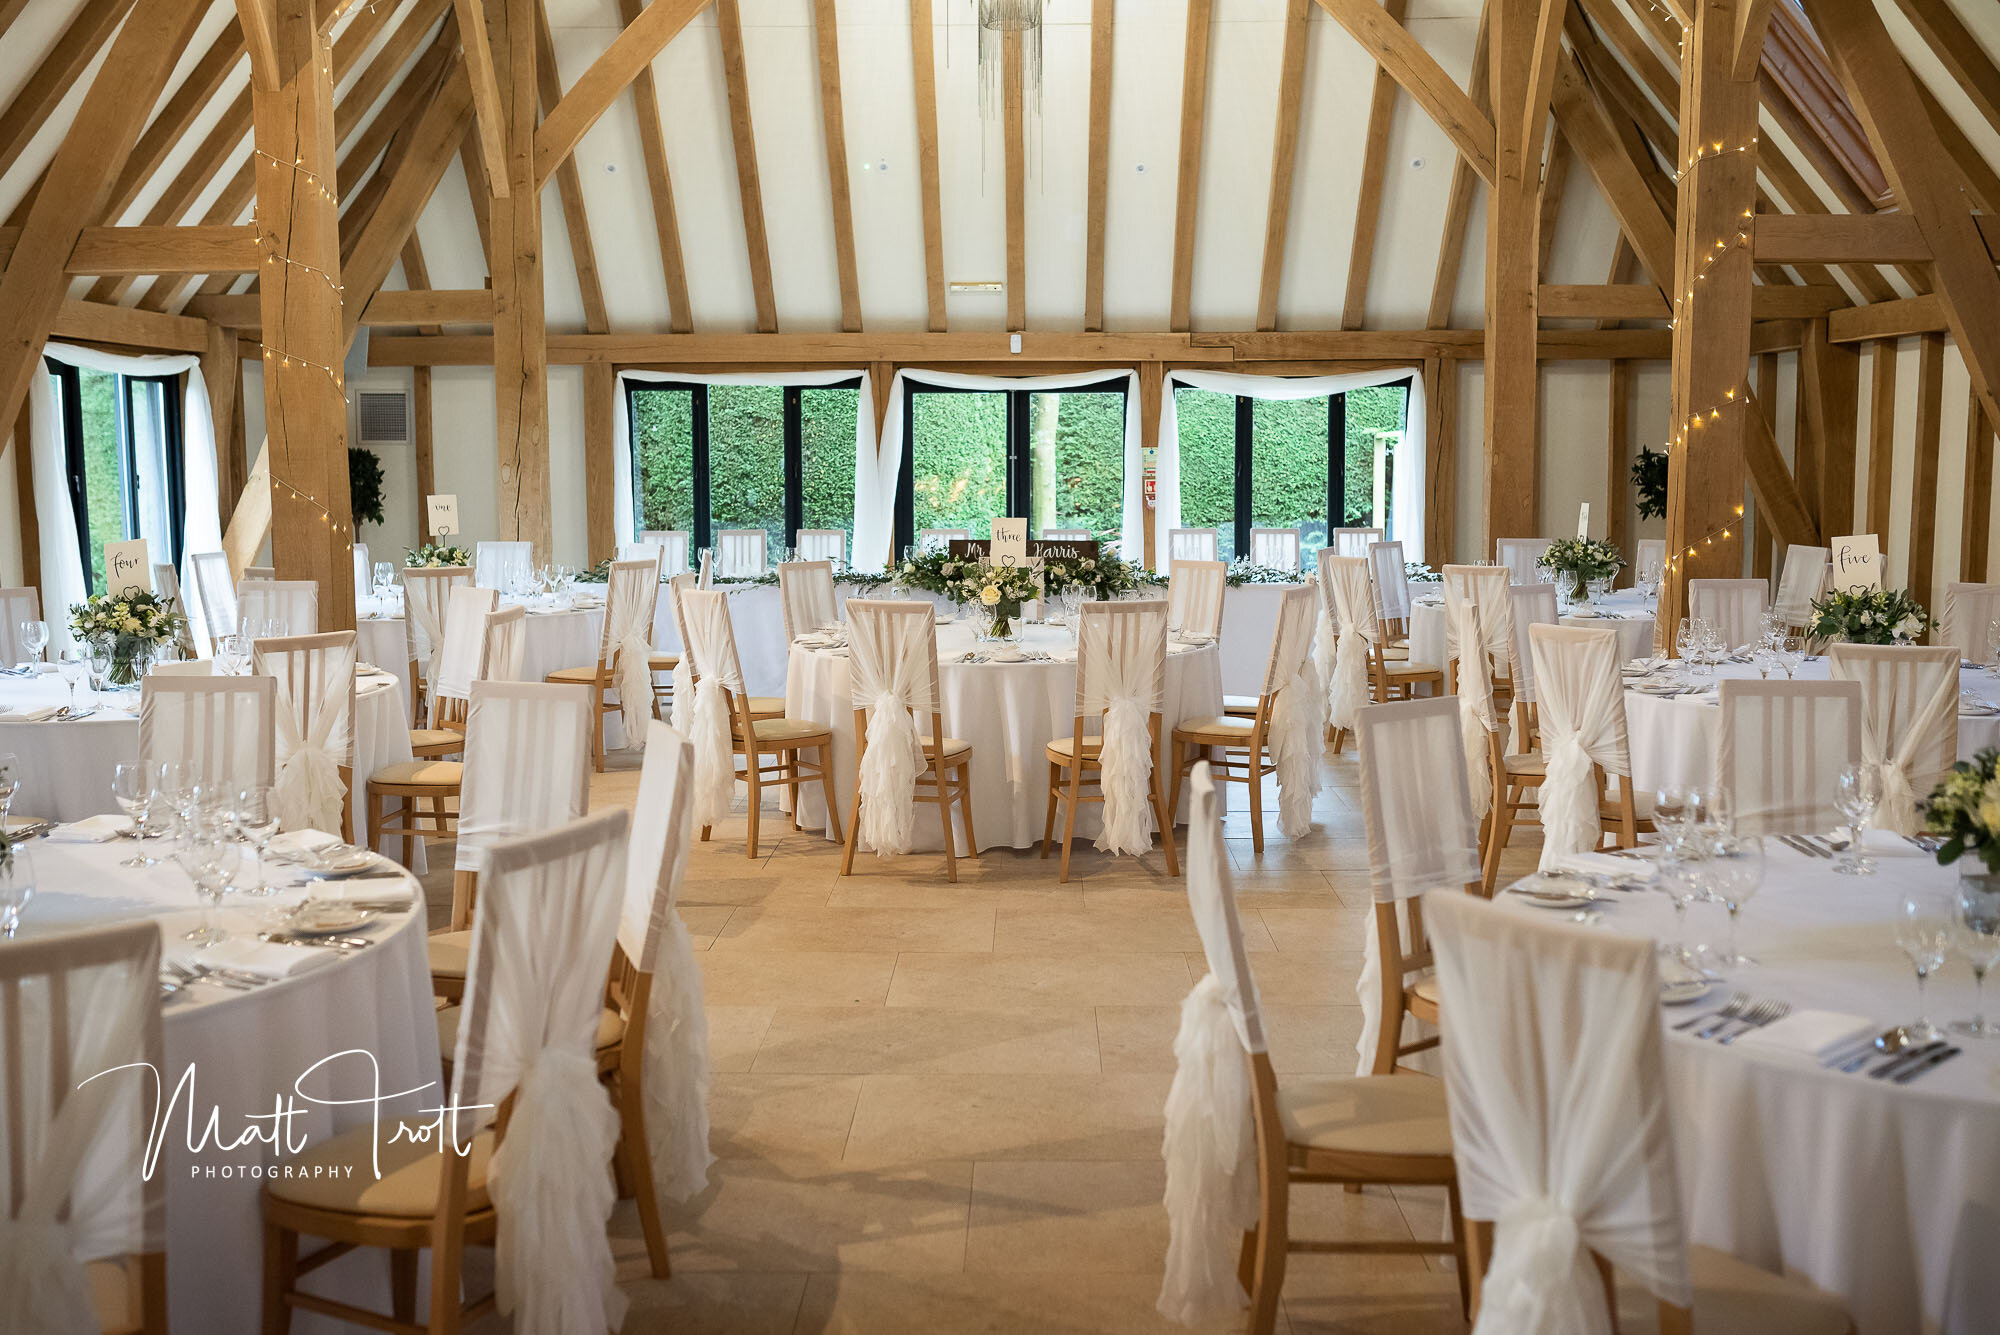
x=433 y=554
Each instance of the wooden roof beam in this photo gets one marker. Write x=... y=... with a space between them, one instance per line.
x=1458 y=204
x=569 y=180
x=660 y=186
x=1638 y=301
x=260 y=26
x=1374 y=167
x=51 y=77
x=1841 y=238
x=826 y=36
x=1959 y=52
x=1469 y=128
x=1753 y=21
x=1187 y=183
x=171 y=126
x=486 y=119
x=1097 y=181
x=608 y=76
x=743 y=137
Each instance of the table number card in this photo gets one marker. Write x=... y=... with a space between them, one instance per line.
x=1857 y=562
x=443 y=512
x=128 y=565
x=1583 y=519
x=1010 y=541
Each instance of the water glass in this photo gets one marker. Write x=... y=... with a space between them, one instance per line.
x=34 y=637
x=205 y=860
x=1859 y=794
x=1791 y=649
x=10 y=783
x=1687 y=643
x=1714 y=816
x=17 y=887
x=1681 y=880
x=98 y=657
x=385 y=578
x=1975 y=933
x=172 y=784
x=132 y=788
x=72 y=665
x=1923 y=931
x=1738 y=872
x=253 y=817
x=1670 y=817
x=1993 y=649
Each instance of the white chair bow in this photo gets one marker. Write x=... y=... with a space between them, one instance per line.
x=1583 y=726
x=1354 y=608
x=629 y=599
x=894 y=679
x=1478 y=627
x=315 y=717
x=710 y=642
x=1909 y=719
x=1297 y=735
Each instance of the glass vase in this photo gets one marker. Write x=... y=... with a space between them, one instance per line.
x=1000 y=623
x=131 y=656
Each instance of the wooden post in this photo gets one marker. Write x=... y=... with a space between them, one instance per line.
x=1152 y=382
x=1712 y=271
x=600 y=403
x=1759 y=533
x=24 y=494
x=1829 y=386
x=1513 y=213
x=221 y=374
x=420 y=418
x=1881 y=435
x=305 y=408
x=1977 y=514
x=1441 y=461
x=1924 y=477
x=520 y=332
x=1618 y=459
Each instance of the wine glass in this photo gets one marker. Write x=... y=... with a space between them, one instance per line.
x=1923 y=931
x=1681 y=880
x=204 y=859
x=1714 y=814
x=17 y=887
x=254 y=817
x=98 y=658
x=1975 y=932
x=171 y=785
x=10 y=783
x=385 y=578
x=1859 y=794
x=1738 y=867
x=1993 y=648
x=1687 y=643
x=1791 y=648
x=72 y=665
x=132 y=788
x=34 y=637
x=1670 y=818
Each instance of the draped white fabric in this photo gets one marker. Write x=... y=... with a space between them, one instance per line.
x=1780 y=749
x=741 y=553
x=1277 y=548
x=1803 y=580
x=293 y=603
x=1735 y=607
x=1650 y=554
x=682 y=705
x=1193 y=544
x=215 y=593
x=1966 y=620
x=1354 y=607
x=1326 y=635
x=1478 y=620
x=1354 y=541
x=871 y=544
x=805 y=596
x=1521 y=556
x=1406 y=519
x=823 y=544
x=501 y=566
x=16 y=606
x=710 y=641
x=1210 y=1146
x=223 y=728
x=894 y=676
x=1391 y=579
x=455 y=666
x=1531 y=605
x=506 y=645
x=1558 y=1113
x=1582 y=710
x=630 y=595
x=315 y=718
x=1121 y=676
x=548 y=914
x=1422 y=833
x=1909 y=719
x=875 y=507
x=427 y=594
x=64 y=578
x=655 y=939
x=364 y=569
x=527 y=765
x=1297 y=733
x=71 y=1181
x=1195 y=590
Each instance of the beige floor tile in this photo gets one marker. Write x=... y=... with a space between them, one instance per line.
x=795 y=978
x=1321 y=929
x=885 y=892
x=759 y=1215
x=866 y=1040
x=704 y=921
x=983 y=1304
x=996 y=982
x=1137 y=1038
x=827 y=929
x=717 y=1303
x=1304 y=1040
x=790 y=1118
x=1300 y=977
x=755 y=887
x=1068 y=1216
x=734 y=1033
x=1098 y=929
x=924 y=1118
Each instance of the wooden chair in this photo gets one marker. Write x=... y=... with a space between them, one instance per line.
x=223 y=729
x=315 y=703
x=894 y=647
x=1354 y=596
x=454 y=662
x=760 y=706
x=629 y=597
x=1522 y=557
x=1122 y=657
x=427 y=597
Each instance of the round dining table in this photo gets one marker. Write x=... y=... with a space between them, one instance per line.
x=1885 y=1193
x=297 y=1023
x=1007 y=711
x=1626 y=611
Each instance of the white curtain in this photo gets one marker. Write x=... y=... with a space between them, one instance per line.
x=63 y=579
x=875 y=509
x=1406 y=511
x=622 y=526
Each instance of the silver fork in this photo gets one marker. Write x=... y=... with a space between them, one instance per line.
x=1763 y=1013
x=1730 y=1010
x=1749 y=1009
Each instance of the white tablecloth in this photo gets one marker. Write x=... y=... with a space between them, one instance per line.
x=1673 y=737
x=247 y=1049
x=1888 y=1195
x=1624 y=611
x=1008 y=712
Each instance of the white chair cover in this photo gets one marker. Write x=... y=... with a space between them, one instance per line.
x=1650 y=554
x=673 y=545
x=193 y=667
x=527 y=766
x=25 y=604
x=1210 y=1146
x=295 y=602
x=1478 y=628
x=1192 y=544
x=167 y=584
x=1354 y=541
x=1121 y=675
x=1531 y=605
x=1801 y=582
x=805 y=596
x=710 y=641
x=707 y=572
x=1326 y=635
x=894 y=678
x=1277 y=548
x=1558 y=1113
x=224 y=729
x=1967 y=616
x=656 y=940
x=1735 y=607
x=501 y=566
x=260 y=572
x=1354 y=609
x=504 y=643
x=683 y=673
x=1297 y=732
x=215 y=590
x=315 y=717
x=1195 y=590
x=534 y=986
x=84 y=1010
x=1422 y=833
x=364 y=570
x=1582 y=711
x=456 y=664
x=1065 y=535
x=427 y=593
x=630 y=596
x=1780 y=751
x=937 y=539
x=1391 y=578
x=1521 y=556
x=1909 y=719
x=823 y=544
x=741 y=553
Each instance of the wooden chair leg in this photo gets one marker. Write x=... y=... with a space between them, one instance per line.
x=826 y=788
x=463 y=886
x=853 y=827
x=639 y=1167
x=1503 y=827
x=965 y=807
x=281 y=1272
x=1256 y=785
x=597 y=731
x=1174 y=762
x=1458 y=1250
x=403 y=1283
x=1049 y=823
x=944 y=815
x=756 y=782
x=1267 y=1278
x=1161 y=814
x=1075 y=772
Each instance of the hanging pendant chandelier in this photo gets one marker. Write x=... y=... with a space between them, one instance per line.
x=1000 y=20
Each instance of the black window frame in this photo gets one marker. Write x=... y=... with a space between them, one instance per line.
x=1019 y=464
x=174 y=441
x=793 y=417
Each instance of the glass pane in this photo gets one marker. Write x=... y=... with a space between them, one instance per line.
x=1288 y=469
x=103 y=469
x=663 y=459
x=827 y=422
x=1076 y=462
x=1206 y=426
x=746 y=462
x=147 y=402
x=1375 y=418
x=958 y=451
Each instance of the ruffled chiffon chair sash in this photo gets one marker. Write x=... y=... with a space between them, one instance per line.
x=1121 y=677
x=893 y=678
x=1582 y=710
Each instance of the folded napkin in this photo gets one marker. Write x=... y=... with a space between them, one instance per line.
x=1604 y=864
x=299 y=845
x=244 y=953
x=36 y=714
x=1810 y=1033
x=91 y=829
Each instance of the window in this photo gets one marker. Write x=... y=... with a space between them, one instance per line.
x=1310 y=464
x=122 y=439
x=711 y=457
x=1053 y=457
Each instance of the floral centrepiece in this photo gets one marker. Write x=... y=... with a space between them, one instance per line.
x=1243 y=572
x=434 y=554
x=1417 y=572
x=1869 y=616
x=1581 y=560
x=997 y=593
x=128 y=627
x=1107 y=577
x=1965 y=809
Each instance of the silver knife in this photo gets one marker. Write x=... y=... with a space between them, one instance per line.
x=1907 y=1059
x=1935 y=1059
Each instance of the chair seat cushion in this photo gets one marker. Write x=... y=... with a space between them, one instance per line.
x=788 y=730
x=662 y=662
x=411 y=1172
x=427 y=773
x=575 y=675
x=766 y=706
x=610 y=1028
x=1411 y=668
x=1528 y=764
x=449 y=951
x=1367 y=1114
x=1221 y=729
x=1061 y=748
x=1425 y=989
x=420 y=738
x=1733 y=1297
